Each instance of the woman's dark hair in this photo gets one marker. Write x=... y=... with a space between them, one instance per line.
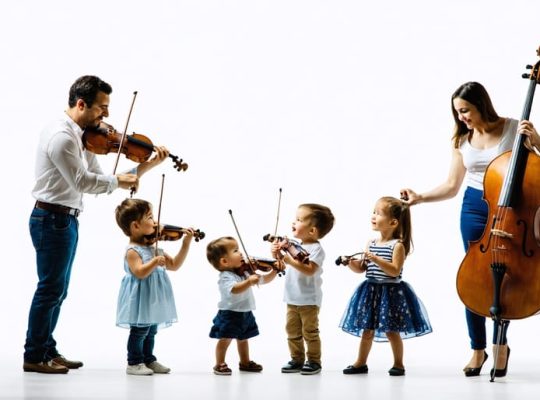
x=477 y=95
x=86 y=88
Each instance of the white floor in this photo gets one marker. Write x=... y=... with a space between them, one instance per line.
x=421 y=382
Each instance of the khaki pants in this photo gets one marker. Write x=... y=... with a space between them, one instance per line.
x=303 y=325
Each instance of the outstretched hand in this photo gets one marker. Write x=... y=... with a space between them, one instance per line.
x=409 y=196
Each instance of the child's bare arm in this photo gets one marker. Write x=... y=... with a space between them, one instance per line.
x=245 y=284
x=308 y=269
x=175 y=263
x=138 y=268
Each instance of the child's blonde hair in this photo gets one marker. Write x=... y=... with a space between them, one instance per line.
x=217 y=249
x=131 y=210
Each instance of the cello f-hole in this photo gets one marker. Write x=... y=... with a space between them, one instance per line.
x=524 y=241
x=485 y=248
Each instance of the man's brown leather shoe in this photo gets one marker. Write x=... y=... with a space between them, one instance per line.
x=49 y=367
x=67 y=363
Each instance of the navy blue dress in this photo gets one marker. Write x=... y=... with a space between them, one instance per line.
x=385 y=304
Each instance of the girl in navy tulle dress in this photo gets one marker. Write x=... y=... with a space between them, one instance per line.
x=383 y=307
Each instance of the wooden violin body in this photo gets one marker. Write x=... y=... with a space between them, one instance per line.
x=172 y=233
x=104 y=139
x=260 y=264
x=345 y=260
x=292 y=247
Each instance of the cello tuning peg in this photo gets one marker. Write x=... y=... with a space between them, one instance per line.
x=526 y=76
x=528 y=66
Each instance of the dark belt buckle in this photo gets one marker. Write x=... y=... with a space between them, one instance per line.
x=58 y=208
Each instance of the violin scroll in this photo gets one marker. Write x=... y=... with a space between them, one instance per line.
x=179 y=165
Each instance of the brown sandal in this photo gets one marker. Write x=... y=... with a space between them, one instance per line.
x=222 y=369
x=251 y=366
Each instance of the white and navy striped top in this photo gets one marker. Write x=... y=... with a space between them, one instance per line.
x=385 y=251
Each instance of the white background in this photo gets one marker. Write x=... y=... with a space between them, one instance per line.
x=337 y=102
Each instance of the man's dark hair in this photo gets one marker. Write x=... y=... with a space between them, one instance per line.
x=86 y=88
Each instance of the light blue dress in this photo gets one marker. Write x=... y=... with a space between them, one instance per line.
x=148 y=301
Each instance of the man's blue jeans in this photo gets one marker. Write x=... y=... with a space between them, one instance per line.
x=55 y=237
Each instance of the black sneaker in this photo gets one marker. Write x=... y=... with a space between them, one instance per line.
x=310 y=368
x=291 y=366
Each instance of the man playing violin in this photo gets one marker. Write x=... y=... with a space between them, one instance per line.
x=64 y=171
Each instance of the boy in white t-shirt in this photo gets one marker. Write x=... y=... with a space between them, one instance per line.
x=235 y=319
x=303 y=293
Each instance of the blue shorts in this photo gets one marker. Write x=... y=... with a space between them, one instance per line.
x=234 y=325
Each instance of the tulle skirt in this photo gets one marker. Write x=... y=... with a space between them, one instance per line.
x=385 y=307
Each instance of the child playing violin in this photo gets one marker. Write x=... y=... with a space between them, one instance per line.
x=303 y=282
x=146 y=300
x=383 y=307
x=235 y=319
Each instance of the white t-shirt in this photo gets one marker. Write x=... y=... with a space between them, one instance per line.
x=240 y=302
x=302 y=289
x=476 y=160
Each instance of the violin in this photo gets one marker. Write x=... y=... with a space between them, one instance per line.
x=259 y=264
x=104 y=139
x=292 y=247
x=172 y=233
x=344 y=260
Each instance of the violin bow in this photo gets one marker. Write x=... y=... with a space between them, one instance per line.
x=159 y=213
x=241 y=242
x=132 y=190
x=278 y=208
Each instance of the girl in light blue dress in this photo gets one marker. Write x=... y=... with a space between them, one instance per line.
x=383 y=307
x=146 y=300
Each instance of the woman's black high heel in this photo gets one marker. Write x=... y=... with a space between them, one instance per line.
x=501 y=372
x=476 y=371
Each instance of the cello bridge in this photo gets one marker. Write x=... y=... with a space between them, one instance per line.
x=501 y=233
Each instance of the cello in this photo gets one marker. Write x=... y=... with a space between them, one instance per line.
x=500 y=274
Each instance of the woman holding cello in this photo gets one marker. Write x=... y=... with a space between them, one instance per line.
x=480 y=135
